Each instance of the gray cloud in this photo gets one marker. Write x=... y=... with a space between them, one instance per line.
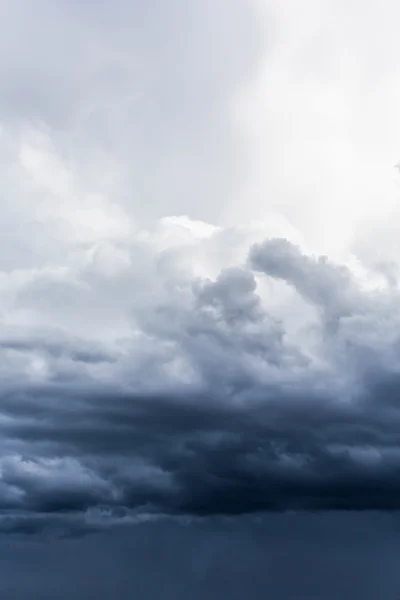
x=135 y=99
x=211 y=406
x=160 y=365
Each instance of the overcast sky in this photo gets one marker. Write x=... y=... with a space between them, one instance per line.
x=199 y=299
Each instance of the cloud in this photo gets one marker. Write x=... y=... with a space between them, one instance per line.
x=133 y=100
x=161 y=352
x=321 y=125
x=211 y=402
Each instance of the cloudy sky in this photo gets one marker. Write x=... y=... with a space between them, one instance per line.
x=199 y=299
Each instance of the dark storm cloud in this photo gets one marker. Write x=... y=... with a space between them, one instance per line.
x=256 y=424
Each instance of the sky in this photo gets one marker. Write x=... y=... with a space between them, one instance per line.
x=199 y=299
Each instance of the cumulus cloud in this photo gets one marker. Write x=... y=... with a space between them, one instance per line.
x=162 y=353
x=212 y=401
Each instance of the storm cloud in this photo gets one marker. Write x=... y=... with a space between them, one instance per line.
x=195 y=321
x=212 y=403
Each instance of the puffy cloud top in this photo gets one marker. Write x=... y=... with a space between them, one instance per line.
x=207 y=397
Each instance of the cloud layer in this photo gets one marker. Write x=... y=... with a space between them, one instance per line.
x=213 y=400
x=160 y=352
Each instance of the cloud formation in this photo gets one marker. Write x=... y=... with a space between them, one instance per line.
x=211 y=402
x=162 y=353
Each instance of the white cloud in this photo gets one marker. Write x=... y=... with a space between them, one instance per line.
x=320 y=120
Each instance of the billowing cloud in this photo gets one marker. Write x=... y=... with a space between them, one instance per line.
x=161 y=352
x=211 y=399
